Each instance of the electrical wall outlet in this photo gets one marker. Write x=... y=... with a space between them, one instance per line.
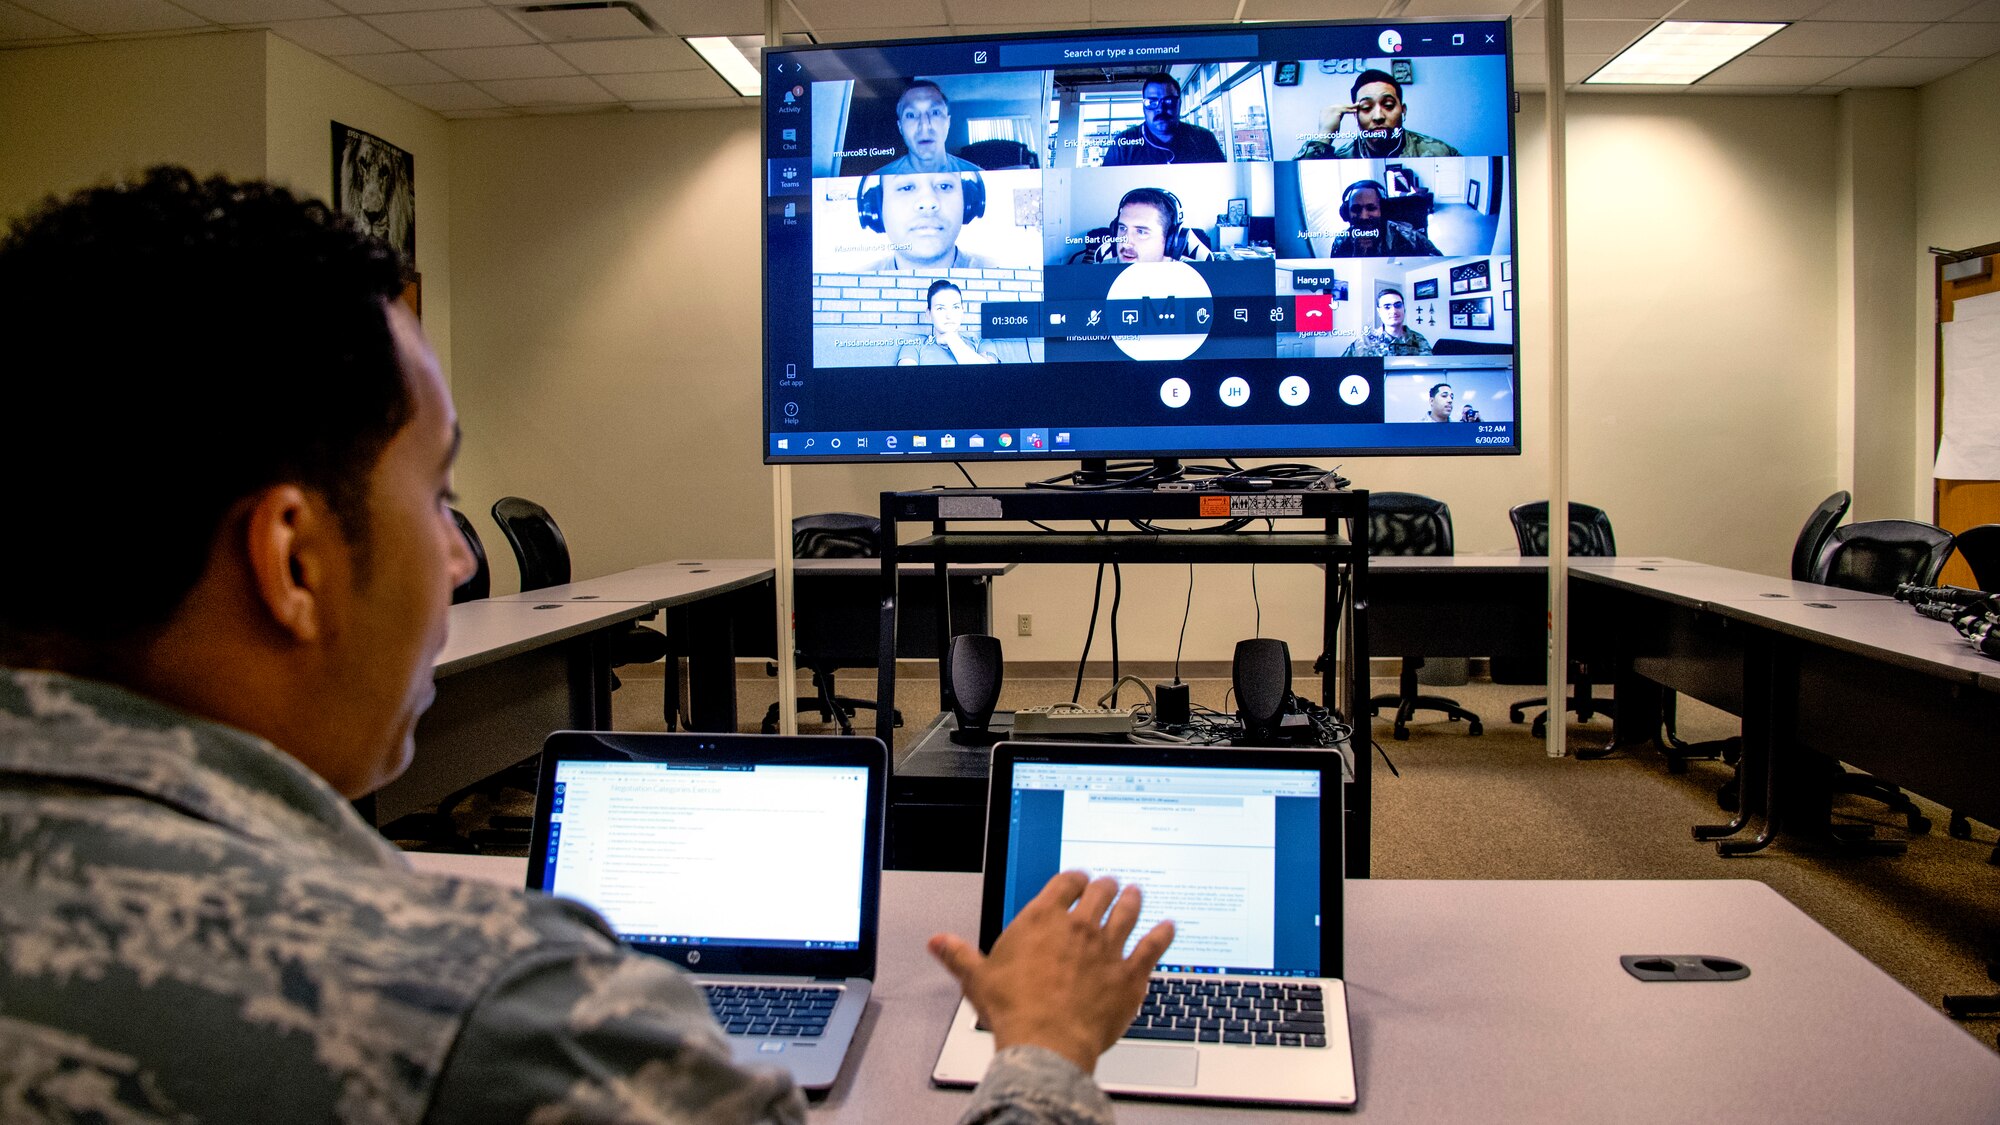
x=1024 y=625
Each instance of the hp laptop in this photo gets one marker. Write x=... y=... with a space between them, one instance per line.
x=1242 y=849
x=753 y=861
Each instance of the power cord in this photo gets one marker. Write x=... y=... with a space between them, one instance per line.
x=1185 y=610
x=1089 y=635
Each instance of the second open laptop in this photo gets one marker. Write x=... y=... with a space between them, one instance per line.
x=1242 y=849
x=753 y=861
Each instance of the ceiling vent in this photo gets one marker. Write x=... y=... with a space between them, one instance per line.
x=606 y=19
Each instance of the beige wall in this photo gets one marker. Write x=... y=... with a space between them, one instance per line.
x=1958 y=166
x=88 y=113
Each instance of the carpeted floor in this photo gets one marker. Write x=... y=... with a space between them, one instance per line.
x=1496 y=807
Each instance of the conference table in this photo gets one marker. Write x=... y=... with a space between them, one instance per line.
x=1506 y=1002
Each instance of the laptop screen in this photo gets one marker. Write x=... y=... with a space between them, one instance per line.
x=1231 y=855
x=692 y=854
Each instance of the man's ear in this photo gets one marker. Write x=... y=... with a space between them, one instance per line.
x=295 y=548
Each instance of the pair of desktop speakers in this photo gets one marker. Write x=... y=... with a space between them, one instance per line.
x=1261 y=672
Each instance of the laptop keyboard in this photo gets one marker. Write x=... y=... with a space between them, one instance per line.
x=768 y=1009
x=1247 y=1012
x=1251 y=1013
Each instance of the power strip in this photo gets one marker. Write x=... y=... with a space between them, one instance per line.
x=1072 y=720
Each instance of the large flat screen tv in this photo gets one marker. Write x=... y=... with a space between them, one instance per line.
x=1256 y=239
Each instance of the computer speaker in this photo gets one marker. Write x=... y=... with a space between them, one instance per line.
x=973 y=672
x=1262 y=672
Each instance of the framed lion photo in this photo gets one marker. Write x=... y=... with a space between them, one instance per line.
x=376 y=183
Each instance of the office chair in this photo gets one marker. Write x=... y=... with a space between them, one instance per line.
x=831 y=633
x=542 y=554
x=1876 y=556
x=1980 y=548
x=480 y=585
x=999 y=155
x=1405 y=523
x=1812 y=538
x=1589 y=537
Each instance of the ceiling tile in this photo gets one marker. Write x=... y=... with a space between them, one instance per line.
x=575 y=90
x=1015 y=28
x=1021 y=11
x=1821 y=91
x=1773 y=70
x=693 y=103
x=1305 y=9
x=479 y=64
x=666 y=86
x=1818 y=37
x=1921 y=11
x=19 y=23
x=1950 y=40
x=1988 y=12
x=372 y=7
x=460 y=27
x=1755 y=11
x=1652 y=11
x=712 y=17
x=877 y=34
x=341 y=35
x=629 y=56
x=475 y=114
x=448 y=96
x=1533 y=70
x=239 y=12
x=1744 y=91
x=403 y=68
x=1883 y=71
x=1580 y=36
x=114 y=17
x=1161 y=11
x=823 y=14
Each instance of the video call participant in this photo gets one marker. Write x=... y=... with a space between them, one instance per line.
x=1369 y=234
x=1149 y=229
x=1440 y=403
x=922 y=215
x=194 y=923
x=923 y=116
x=946 y=343
x=1389 y=336
x=1379 y=109
x=1164 y=138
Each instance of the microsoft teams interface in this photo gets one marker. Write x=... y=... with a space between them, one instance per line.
x=1231 y=855
x=1259 y=238
x=665 y=851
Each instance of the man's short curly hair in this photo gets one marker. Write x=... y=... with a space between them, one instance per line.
x=175 y=345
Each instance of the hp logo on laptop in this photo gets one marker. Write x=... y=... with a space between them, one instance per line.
x=694 y=956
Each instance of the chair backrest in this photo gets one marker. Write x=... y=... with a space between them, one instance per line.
x=1876 y=555
x=539 y=547
x=481 y=583
x=1406 y=523
x=1589 y=530
x=1981 y=548
x=1813 y=536
x=836 y=535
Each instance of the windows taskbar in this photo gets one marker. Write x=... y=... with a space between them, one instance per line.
x=1046 y=441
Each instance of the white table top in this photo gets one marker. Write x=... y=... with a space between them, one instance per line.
x=1880 y=629
x=1505 y=1002
x=1701 y=585
x=658 y=587
x=839 y=566
x=493 y=629
x=1499 y=563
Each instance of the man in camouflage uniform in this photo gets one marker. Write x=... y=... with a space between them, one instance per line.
x=1390 y=336
x=231 y=563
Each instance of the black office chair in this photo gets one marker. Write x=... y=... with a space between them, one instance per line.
x=1980 y=548
x=831 y=636
x=542 y=554
x=1589 y=537
x=1876 y=556
x=480 y=585
x=1405 y=523
x=999 y=155
x=1812 y=539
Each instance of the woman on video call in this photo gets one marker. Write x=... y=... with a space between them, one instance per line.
x=946 y=342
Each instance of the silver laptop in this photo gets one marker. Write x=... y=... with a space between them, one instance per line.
x=753 y=861
x=1242 y=849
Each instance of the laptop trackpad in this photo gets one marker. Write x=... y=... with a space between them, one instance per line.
x=1134 y=1065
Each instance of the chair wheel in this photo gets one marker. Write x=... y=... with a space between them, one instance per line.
x=1402 y=733
x=1475 y=729
x=1517 y=715
x=1919 y=824
x=1676 y=764
x=1541 y=727
x=1960 y=828
x=1728 y=797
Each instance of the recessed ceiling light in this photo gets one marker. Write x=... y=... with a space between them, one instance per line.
x=1680 y=53
x=733 y=57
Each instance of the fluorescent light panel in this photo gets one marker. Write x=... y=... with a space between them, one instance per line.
x=731 y=57
x=1680 y=53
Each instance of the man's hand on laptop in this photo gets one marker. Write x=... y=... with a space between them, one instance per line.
x=1058 y=977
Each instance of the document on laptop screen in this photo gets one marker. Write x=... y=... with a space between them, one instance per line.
x=731 y=855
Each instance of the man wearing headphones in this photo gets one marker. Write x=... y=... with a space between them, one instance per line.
x=1378 y=108
x=1390 y=336
x=1370 y=234
x=1149 y=229
x=922 y=215
x=923 y=116
x=1164 y=138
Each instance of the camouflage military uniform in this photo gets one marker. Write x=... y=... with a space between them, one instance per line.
x=194 y=927
x=1377 y=342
